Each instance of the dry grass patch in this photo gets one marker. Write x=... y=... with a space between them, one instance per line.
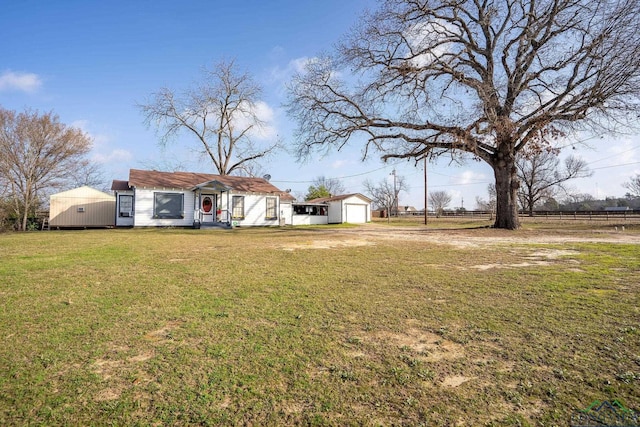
x=326 y=244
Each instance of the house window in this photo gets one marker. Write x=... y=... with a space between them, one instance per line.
x=237 y=207
x=272 y=208
x=168 y=205
x=125 y=203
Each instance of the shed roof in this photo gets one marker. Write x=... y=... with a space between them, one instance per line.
x=83 y=192
x=192 y=180
x=120 y=185
x=338 y=198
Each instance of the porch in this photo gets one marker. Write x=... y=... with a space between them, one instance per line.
x=211 y=205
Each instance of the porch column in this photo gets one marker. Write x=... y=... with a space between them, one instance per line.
x=197 y=202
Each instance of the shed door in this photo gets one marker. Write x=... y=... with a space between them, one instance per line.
x=356 y=214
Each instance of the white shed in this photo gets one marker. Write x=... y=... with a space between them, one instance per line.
x=82 y=207
x=352 y=208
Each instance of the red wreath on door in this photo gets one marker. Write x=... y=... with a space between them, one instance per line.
x=207 y=204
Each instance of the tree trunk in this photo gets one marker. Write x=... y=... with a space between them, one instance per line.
x=528 y=201
x=506 y=194
x=25 y=216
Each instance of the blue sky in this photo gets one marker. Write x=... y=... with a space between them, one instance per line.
x=92 y=62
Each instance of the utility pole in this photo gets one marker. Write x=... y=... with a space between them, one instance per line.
x=395 y=192
x=426 y=211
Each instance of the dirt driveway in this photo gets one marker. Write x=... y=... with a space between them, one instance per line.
x=477 y=237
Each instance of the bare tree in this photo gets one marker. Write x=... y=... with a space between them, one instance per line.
x=334 y=186
x=490 y=203
x=578 y=202
x=428 y=77
x=222 y=113
x=90 y=175
x=383 y=194
x=38 y=154
x=633 y=185
x=542 y=177
x=439 y=201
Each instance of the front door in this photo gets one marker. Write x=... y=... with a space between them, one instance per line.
x=207 y=206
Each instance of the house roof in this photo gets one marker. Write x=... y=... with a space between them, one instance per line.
x=120 y=185
x=338 y=198
x=191 y=180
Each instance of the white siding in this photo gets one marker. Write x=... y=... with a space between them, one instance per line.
x=255 y=210
x=309 y=219
x=335 y=212
x=286 y=211
x=338 y=210
x=143 y=203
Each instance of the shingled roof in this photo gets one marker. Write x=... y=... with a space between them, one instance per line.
x=189 y=180
x=119 y=185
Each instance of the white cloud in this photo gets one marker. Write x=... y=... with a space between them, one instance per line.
x=338 y=164
x=21 y=82
x=299 y=65
x=99 y=140
x=626 y=150
x=80 y=124
x=280 y=74
x=432 y=39
x=102 y=152
x=469 y=177
x=266 y=114
x=115 y=156
x=267 y=131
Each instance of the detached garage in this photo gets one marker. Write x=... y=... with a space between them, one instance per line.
x=352 y=208
x=82 y=207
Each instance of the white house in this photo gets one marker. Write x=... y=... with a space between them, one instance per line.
x=186 y=199
x=352 y=208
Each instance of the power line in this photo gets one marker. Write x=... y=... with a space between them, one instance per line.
x=617 y=166
x=616 y=155
x=343 y=177
x=453 y=176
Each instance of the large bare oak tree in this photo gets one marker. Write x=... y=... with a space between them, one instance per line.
x=222 y=112
x=38 y=154
x=420 y=78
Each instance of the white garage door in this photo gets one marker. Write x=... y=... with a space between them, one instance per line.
x=356 y=214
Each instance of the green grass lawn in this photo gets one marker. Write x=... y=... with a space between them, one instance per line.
x=313 y=327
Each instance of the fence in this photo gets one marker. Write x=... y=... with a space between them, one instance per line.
x=627 y=215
